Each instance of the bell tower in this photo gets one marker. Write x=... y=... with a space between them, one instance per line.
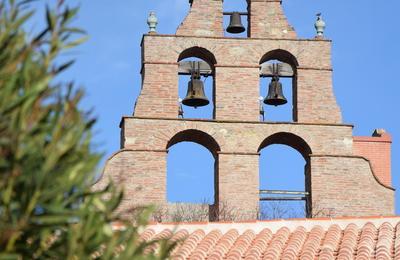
x=348 y=175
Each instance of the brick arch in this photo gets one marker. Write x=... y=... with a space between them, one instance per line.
x=289 y=58
x=196 y=136
x=208 y=57
x=281 y=55
x=300 y=145
x=199 y=52
x=289 y=139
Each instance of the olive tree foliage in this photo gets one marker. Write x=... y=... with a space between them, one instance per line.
x=47 y=161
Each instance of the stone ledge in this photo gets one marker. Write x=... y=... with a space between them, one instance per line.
x=233 y=38
x=233 y=121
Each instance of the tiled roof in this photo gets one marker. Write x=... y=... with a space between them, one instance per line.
x=344 y=238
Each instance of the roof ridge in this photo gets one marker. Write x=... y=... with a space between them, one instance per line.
x=275 y=225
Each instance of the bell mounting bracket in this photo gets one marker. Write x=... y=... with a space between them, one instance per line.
x=280 y=69
x=230 y=13
x=283 y=70
x=193 y=67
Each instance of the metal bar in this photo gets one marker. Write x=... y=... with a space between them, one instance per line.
x=284 y=192
x=202 y=73
x=270 y=76
x=283 y=198
x=241 y=13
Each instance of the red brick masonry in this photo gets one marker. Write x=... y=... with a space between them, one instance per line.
x=377 y=150
x=341 y=182
x=345 y=175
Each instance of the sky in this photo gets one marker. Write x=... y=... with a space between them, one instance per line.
x=365 y=58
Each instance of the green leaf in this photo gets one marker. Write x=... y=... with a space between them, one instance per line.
x=75 y=43
x=48 y=209
x=50 y=19
x=64 y=66
x=74 y=30
x=5 y=256
x=52 y=220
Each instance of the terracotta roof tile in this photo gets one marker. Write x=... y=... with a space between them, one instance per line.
x=241 y=245
x=384 y=245
x=323 y=239
x=147 y=235
x=349 y=242
x=330 y=245
x=189 y=245
x=313 y=243
x=366 y=243
x=259 y=245
x=397 y=242
x=295 y=244
x=206 y=245
x=166 y=233
x=278 y=242
x=224 y=244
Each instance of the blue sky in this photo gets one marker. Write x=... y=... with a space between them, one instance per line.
x=366 y=53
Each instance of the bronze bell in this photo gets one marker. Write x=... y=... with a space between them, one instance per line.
x=195 y=96
x=235 y=25
x=275 y=95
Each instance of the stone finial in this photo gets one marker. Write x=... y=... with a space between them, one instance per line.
x=320 y=26
x=152 y=21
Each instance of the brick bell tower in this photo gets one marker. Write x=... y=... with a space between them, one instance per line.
x=349 y=175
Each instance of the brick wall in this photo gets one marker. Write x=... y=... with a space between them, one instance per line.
x=267 y=20
x=238 y=184
x=159 y=94
x=336 y=174
x=377 y=150
x=237 y=82
x=315 y=97
x=347 y=176
x=204 y=19
x=235 y=136
x=346 y=186
x=237 y=93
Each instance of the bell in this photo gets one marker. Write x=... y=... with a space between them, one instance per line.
x=195 y=96
x=275 y=95
x=235 y=25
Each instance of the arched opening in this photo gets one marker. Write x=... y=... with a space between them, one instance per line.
x=236 y=6
x=280 y=55
x=192 y=165
x=285 y=185
x=278 y=86
x=196 y=83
